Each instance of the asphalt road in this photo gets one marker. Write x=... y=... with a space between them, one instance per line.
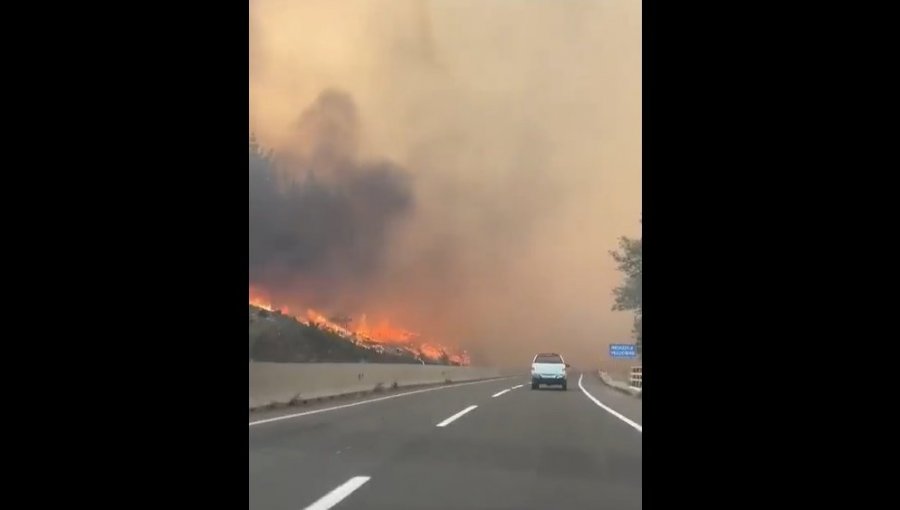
x=520 y=450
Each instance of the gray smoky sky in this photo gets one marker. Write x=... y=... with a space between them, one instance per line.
x=497 y=143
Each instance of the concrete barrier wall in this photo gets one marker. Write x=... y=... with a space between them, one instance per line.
x=622 y=386
x=280 y=383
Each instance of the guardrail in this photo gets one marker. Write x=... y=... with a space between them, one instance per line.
x=286 y=383
x=637 y=377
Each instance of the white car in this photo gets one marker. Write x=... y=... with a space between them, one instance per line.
x=548 y=368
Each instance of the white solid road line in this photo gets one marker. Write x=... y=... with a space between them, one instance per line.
x=453 y=418
x=519 y=386
x=379 y=399
x=608 y=409
x=334 y=497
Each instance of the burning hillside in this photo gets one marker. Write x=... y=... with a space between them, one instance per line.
x=320 y=220
x=382 y=337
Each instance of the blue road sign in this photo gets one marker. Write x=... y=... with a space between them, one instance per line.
x=626 y=351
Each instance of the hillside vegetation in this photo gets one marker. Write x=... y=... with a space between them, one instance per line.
x=276 y=337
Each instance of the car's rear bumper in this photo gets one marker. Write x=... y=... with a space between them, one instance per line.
x=557 y=381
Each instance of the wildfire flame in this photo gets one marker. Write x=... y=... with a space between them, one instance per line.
x=384 y=332
x=379 y=336
x=261 y=303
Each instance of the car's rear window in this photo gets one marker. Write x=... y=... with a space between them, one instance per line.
x=548 y=358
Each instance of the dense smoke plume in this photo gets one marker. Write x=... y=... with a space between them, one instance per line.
x=462 y=167
x=319 y=217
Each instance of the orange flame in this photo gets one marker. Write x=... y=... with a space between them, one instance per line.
x=384 y=332
x=314 y=317
x=258 y=301
x=373 y=337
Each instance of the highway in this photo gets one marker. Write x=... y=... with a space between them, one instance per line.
x=484 y=445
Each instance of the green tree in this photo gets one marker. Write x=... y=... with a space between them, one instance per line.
x=628 y=295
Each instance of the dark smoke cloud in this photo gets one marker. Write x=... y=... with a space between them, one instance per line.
x=328 y=132
x=319 y=217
